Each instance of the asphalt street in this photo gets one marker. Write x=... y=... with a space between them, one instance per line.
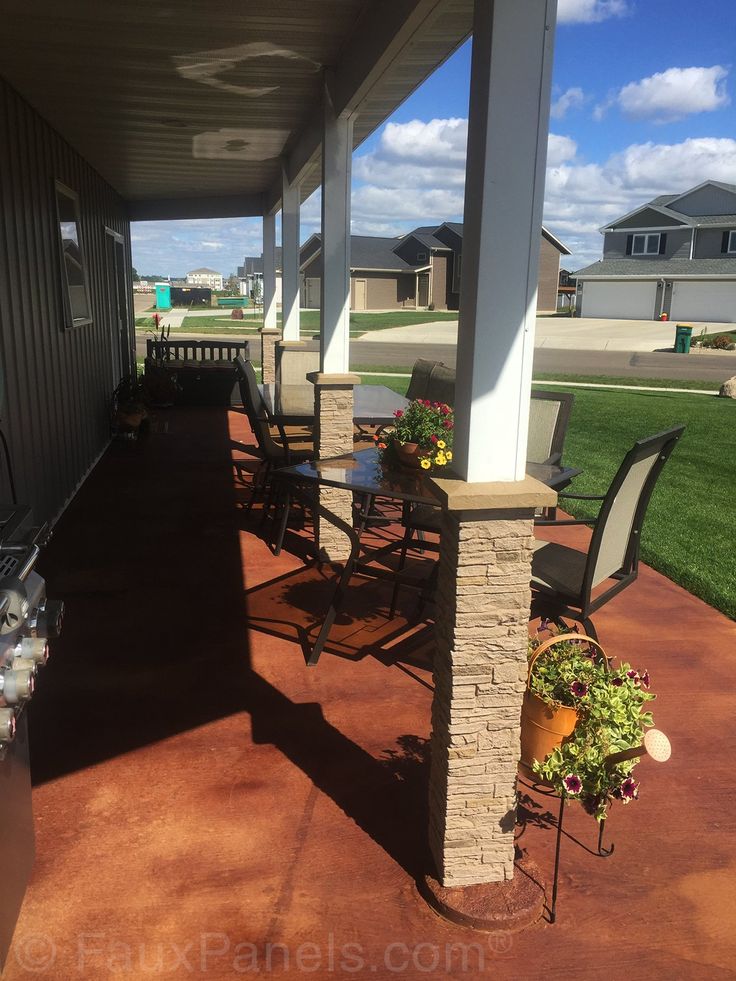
x=658 y=364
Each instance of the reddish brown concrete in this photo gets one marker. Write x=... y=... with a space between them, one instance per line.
x=198 y=788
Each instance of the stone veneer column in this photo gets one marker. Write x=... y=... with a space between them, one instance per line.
x=333 y=436
x=269 y=339
x=482 y=617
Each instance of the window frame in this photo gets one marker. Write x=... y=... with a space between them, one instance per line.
x=422 y=257
x=69 y=319
x=646 y=236
x=731 y=244
x=457 y=271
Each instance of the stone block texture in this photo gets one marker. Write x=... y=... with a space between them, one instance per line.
x=269 y=340
x=482 y=618
x=333 y=409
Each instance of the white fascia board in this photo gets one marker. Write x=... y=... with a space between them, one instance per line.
x=651 y=229
x=555 y=241
x=714 y=277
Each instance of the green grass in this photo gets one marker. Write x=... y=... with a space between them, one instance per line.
x=399 y=385
x=626 y=380
x=690 y=528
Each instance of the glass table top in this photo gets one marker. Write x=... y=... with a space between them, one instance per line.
x=363 y=473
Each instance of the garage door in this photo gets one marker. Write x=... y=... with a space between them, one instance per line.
x=704 y=301
x=620 y=301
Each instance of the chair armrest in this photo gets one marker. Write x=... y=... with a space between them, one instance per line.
x=583 y=497
x=564 y=521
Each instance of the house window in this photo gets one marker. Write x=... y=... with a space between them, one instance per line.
x=421 y=256
x=731 y=242
x=77 y=310
x=645 y=245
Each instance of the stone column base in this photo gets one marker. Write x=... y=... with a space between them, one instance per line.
x=503 y=907
x=270 y=336
x=333 y=436
x=482 y=618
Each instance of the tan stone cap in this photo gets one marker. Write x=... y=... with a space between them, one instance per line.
x=496 y=495
x=269 y=330
x=291 y=345
x=346 y=380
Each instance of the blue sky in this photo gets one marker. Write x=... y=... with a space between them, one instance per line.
x=642 y=104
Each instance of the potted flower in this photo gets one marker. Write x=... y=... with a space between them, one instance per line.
x=571 y=672
x=421 y=436
x=129 y=407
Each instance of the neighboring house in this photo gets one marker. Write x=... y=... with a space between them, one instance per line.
x=250 y=275
x=414 y=271
x=205 y=277
x=675 y=255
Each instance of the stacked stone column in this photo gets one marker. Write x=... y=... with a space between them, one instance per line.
x=270 y=336
x=333 y=436
x=483 y=598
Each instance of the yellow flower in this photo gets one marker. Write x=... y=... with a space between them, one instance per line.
x=449 y=454
x=441 y=444
x=440 y=459
x=425 y=464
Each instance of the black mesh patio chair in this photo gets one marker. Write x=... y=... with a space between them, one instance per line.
x=549 y=415
x=441 y=386
x=420 y=379
x=563 y=578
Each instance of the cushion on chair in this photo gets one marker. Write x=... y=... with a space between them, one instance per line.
x=558 y=568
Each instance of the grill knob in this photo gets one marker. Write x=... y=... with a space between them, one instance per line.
x=48 y=620
x=35 y=649
x=16 y=686
x=25 y=664
x=7 y=725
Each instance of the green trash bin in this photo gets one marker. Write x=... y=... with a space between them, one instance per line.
x=683 y=334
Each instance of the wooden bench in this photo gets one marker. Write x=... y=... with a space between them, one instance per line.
x=204 y=370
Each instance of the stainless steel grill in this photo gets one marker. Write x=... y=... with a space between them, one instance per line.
x=27 y=621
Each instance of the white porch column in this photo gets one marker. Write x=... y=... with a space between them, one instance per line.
x=290 y=260
x=269 y=332
x=507 y=150
x=269 y=271
x=483 y=591
x=333 y=384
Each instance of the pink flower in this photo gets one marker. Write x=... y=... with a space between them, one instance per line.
x=433 y=438
x=572 y=783
x=399 y=413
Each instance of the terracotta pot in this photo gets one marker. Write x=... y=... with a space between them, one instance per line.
x=408 y=455
x=543 y=728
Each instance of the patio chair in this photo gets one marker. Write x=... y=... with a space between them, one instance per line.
x=420 y=375
x=563 y=578
x=549 y=416
x=273 y=452
x=441 y=386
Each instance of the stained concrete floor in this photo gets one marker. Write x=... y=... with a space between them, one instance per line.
x=208 y=806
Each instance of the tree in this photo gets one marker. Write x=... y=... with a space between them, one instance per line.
x=136 y=277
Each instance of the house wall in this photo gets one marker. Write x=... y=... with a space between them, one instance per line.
x=707 y=201
x=677 y=245
x=384 y=291
x=57 y=382
x=549 y=276
x=648 y=218
x=708 y=244
x=410 y=249
x=438 y=288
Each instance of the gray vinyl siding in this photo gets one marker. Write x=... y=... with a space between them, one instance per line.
x=677 y=245
x=708 y=243
x=707 y=201
x=57 y=381
x=648 y=218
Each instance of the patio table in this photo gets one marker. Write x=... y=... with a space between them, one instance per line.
x=293 y=405
x=363 y=473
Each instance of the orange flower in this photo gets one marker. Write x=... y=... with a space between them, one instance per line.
x=381 y=446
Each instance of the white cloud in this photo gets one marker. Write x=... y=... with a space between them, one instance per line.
x=560 y=149
x=590 y=11
x=675 y=93
x=572 y=98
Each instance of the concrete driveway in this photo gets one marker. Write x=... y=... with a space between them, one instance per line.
x=562 y=333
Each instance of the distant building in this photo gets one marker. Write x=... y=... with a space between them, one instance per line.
x=205 y=277
x=250 y=275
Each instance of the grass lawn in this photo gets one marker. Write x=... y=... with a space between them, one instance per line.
x=690 y=529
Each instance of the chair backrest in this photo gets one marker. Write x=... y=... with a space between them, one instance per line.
x=549 y=415
x=441 y=387
x=614 y=546
x=255 y=409
x=420 y=379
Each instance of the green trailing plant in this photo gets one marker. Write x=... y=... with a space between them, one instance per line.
x=610 y=702
x=427 y=424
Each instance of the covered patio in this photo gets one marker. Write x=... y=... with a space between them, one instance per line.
x=214 y=807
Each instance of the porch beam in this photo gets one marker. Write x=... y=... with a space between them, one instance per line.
x=386 y=29
x=165 y=209
x=507 y=148
x=290 y=260
x=269 y=271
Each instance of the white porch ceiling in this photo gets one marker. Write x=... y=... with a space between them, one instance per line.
x=188 y=108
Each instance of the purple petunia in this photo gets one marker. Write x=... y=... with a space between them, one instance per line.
x=629 y=790
x=644 y=679
x=617 y=682
x=579 y=689
x=634 y=675
x=572 y=784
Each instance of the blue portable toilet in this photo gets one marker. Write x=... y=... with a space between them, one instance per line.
x=163 y=296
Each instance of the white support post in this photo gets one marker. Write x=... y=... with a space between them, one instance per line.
x=337 y=149
x=269 y=271
x=290 y=259
x=507 y=148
